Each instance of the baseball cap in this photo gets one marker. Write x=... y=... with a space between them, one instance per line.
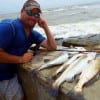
x=31 y=4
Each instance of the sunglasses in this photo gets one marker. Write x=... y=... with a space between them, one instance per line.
x=30 y=13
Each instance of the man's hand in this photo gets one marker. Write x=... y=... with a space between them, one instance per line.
x=26 y=57
x=42 y=23
x=48 y=43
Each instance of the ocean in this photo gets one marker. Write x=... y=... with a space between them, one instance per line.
x=74 y=20
x=67 y=21
x=13 y=6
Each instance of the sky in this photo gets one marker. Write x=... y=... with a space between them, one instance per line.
x=10 y=6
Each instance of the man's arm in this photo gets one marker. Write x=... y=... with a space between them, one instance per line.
x=49 y=43
x=9 y=58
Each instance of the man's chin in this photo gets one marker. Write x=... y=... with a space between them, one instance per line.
x=31 y=25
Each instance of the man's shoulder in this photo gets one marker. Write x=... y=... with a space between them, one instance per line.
x=7 y=25
x=7 y=20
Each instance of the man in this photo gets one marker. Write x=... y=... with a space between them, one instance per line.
x=16 y=36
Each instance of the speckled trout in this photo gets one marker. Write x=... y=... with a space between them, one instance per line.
x=91 y=69
x=57 y=61
x=74 y=69
x=67 y=63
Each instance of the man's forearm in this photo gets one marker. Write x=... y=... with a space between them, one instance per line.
x=8 y=58
x=50 y=39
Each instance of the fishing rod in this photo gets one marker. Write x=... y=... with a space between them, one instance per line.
x=75 y=50
x=37 y=48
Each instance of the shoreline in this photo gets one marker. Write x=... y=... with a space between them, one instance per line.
x=67 y=14
x=71 y=21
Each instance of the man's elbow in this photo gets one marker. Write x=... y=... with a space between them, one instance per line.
x=53 y=47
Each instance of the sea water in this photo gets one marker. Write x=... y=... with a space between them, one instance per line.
x=80 y=18
x=12 y=6
x=74 y=20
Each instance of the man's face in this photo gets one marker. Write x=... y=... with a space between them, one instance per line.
x=30 y=17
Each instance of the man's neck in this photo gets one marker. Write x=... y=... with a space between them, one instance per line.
x=27 y=29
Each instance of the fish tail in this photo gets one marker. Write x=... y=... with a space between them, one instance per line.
x=42 y=67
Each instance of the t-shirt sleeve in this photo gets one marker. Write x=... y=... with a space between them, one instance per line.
x=6 y=35
x=37 y=37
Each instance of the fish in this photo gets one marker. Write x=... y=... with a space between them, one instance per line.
x=57 y=61
x=74 y=69
x=90 y=71
x=67 y=63
x=65 y=75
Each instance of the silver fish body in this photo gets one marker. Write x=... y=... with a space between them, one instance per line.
x=91 y=69
x=57 y=61
x=67 y=63
x=73 y=69
x=79 y=66
x=65 y=75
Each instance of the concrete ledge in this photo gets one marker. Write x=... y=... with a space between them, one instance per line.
x=37 y=86
x=88 y=40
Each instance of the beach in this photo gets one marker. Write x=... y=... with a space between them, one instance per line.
x=74 y=20
x=70 y=21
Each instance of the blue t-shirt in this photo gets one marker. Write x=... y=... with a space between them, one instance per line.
x=14 y=41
